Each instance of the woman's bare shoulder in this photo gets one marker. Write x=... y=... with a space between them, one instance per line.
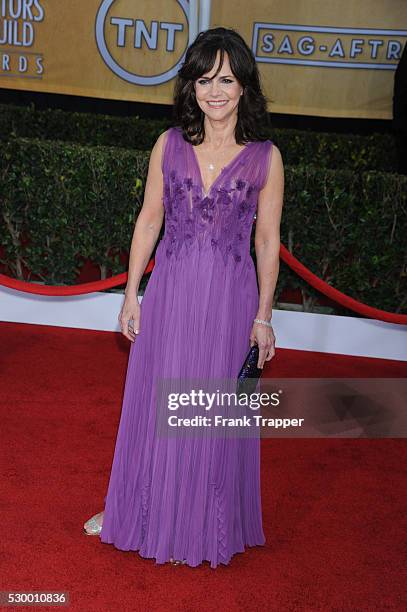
x=159 y=144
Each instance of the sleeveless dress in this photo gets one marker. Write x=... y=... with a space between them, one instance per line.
x=186 y=498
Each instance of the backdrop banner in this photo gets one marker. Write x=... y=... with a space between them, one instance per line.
x=315 y=57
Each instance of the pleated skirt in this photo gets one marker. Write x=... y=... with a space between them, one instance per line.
x=187 y=497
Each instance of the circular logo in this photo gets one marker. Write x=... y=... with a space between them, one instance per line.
x=124 y=25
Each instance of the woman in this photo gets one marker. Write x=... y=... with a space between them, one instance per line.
x=189 y=500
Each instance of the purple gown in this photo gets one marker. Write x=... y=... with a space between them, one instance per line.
x=184 y=497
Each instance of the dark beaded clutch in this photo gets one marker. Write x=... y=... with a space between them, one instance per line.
x=249 y=373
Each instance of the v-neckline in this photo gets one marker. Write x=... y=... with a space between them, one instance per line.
x=221 y=173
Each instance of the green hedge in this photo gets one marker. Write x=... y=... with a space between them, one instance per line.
x=373 y=152
x=64 y=203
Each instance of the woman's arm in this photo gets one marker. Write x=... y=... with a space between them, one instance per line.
x=267 y=247
x=149 y=221
x=145 y=234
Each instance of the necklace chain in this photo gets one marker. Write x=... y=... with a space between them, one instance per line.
x=212 y=165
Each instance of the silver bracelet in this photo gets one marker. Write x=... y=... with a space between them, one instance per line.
x=268 y=323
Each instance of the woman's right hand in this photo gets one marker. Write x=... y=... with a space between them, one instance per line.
x=129 y=318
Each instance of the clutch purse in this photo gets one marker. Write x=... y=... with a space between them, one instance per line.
x=249 y=373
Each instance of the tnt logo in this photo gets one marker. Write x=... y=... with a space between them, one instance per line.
x=139 y=42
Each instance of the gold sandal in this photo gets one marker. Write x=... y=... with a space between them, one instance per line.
x=92 y=527
x=177 y=561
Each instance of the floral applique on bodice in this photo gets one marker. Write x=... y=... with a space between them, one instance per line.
x=221 y=218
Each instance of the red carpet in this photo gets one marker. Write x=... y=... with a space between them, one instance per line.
x=334 y=510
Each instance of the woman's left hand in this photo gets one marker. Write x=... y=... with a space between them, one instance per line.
x=264 y=337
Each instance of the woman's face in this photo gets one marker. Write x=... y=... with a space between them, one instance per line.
x=218 y=97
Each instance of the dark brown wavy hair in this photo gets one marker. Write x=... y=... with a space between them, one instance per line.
x=200 y=58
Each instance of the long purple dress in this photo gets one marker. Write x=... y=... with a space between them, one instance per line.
x=184 y=497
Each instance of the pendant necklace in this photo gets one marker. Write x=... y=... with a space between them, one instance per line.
x=212 y=167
